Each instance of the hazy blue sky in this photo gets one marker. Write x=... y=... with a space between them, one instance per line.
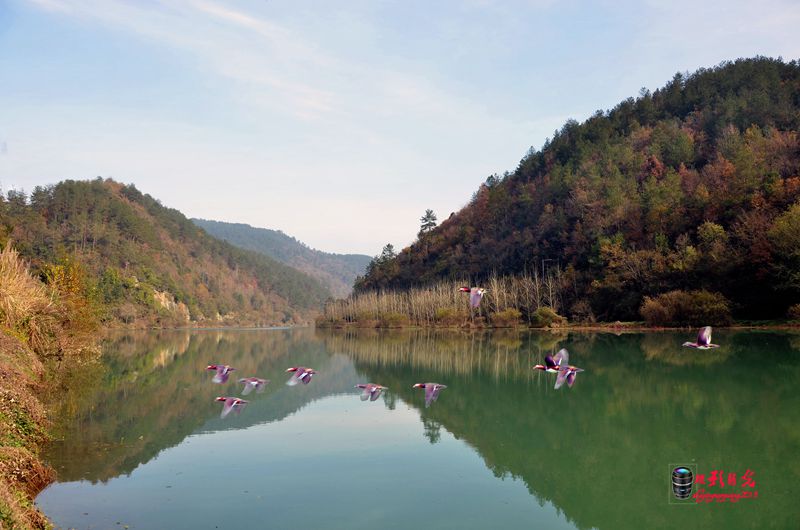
x=338 y=122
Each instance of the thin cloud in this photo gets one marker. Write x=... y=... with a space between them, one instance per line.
x=269 y=58
x=372 y=102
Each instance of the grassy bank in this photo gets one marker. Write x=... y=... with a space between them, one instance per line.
x=45 y=326
x=525 y=301
x=510 y=301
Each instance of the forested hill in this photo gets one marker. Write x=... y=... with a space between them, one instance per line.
x=145 y=263
x=336 y=271
x=693 y=186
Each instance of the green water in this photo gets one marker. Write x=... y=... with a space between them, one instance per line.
x=142 y=443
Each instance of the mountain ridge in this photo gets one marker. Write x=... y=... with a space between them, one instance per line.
x=147 y=264
x=337 y=271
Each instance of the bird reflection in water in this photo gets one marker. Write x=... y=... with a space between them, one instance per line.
x=301 y=375
x=253 y=383
x=431 y=391
x=232 y=404
x=371 y=391
x=223 y=372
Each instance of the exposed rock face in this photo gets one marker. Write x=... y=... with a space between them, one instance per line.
x=167 y=301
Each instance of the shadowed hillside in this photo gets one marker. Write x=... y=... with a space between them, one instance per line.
x=337 y=272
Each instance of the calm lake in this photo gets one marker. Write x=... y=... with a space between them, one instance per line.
x=143 y=445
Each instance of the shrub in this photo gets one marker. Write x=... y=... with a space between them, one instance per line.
x=681 y=308
x=545 y=317
x=794 y=312
x=581 y=311
x=449 y=316
x=393 y=320
x=507 y=318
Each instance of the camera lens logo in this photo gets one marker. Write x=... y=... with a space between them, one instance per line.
x=682 y=479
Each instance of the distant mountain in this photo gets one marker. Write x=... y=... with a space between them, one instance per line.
x=693 y=186
x=147 y=264
x=335 y=271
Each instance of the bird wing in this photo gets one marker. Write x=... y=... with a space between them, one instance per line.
x=430 y=393
x=248 y=387
x=549 y=362
x=571 y=378
x=228 y=407
x=475 y=297
x=239 y=405
x=704 y=337
x=306 y=377
x=261 y=385
x=562 y=357
x=293 y=380
x=436 y=389
x=365 y=394
x=376 y=393
x=562 y=376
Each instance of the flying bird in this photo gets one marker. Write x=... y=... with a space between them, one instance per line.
x=703 y=340
x=231 y=404
x=253 y=383
x=475 y=295
x=301 y=375
x=371 y=391
x=568 y=374
x=552 y=364
x=559 y=364
x=223 y=372
x=431 y=391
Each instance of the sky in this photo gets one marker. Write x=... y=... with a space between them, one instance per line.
x=338 y=123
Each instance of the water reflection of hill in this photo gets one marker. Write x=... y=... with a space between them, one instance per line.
x=600 y=452
x=152 y=391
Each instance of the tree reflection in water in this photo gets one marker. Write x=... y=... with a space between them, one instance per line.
x=642 y=404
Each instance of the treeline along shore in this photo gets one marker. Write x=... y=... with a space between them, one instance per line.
x=526 y=300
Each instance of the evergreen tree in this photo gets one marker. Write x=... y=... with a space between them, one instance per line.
x=427 y=222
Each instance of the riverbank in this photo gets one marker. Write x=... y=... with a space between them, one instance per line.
x=44 y=329
x=23 y=424
x=611 y=327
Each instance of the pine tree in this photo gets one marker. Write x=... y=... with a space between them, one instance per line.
x=427 y=222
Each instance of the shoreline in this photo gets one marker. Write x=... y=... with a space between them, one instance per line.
x=598 y=327
x=23 y=474
x=25 y=427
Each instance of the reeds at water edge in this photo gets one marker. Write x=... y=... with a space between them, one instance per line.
x=509 y=301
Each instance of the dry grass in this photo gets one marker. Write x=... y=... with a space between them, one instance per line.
x=38 y=323
x=441 y=304
x=26 y=308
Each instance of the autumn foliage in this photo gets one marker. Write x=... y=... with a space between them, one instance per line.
x=693 y=187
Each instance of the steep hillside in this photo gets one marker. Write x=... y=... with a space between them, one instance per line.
x=148 y=264
x=695 y=186
x=336 y=271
